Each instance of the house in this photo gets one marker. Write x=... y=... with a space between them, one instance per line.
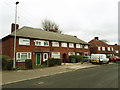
x=39 y=45
x=99 y=47
x=116 y=49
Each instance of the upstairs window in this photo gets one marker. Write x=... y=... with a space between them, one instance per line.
x=112 y=48
x=63 y=44
x=71 y=45
x=55 y=44
x=108 y=48
x=81 y=46
x=86 y=46
x=41 y=43
x=77 y=45
x=24 y=41
x=103 y=48
x=99 y=48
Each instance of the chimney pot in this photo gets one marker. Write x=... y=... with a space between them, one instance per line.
x=13 y=27
x=96 y=38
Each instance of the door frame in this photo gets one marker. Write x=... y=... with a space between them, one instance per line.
x=36 y=58
x=43 y=56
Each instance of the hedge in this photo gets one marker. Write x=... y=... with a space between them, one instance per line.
x=7 y=62
x=77 y=58
x=54 y=61
x=28 y=64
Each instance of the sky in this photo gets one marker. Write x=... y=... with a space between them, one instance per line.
x=85 y=19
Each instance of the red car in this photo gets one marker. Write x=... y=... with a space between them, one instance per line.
x=112 y=59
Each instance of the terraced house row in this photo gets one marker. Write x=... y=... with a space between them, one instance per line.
x=39 y=45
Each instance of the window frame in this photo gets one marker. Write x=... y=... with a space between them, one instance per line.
x=69 y=53
x=41 y=43
x=65 y=44
x=85 y=46
x=54 y=56
x=72 y=45
x=19 y=59
x=99 y=48
x=103 y=49
x=21 y=41
x=55 y=45
x=77 y=45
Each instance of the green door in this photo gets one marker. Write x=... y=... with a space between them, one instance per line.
x=38 y=58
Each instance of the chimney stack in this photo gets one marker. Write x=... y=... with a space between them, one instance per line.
x=115 y=44
x=13 y=27
x=96 y=38
x=75 y=36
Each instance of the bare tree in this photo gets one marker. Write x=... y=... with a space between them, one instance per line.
x=48 y=25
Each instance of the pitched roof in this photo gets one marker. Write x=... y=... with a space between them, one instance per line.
x=29 y=32
x=96 y=43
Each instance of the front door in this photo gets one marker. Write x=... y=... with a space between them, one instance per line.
x=38 y=59
x=45 y=57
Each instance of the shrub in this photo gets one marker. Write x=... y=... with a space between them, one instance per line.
x=7 y=62
x=54 y=61
x=28 y=64
x=77 y=58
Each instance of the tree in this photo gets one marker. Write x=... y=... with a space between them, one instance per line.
x=48 y=25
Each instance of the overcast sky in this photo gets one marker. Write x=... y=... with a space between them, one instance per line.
x=84 y=18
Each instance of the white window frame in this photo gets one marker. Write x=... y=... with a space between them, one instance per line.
x=71 y=53
x=86 y=53
x=81 y=46
x=54 y=55
x=116 y=51
x=99 y=48
x=23 y=43
x=108 y=48
x=55 y=44
x=19 y=59
x=86 y=46
x=71 y=45
x=77 y=45
x=78 y=53
x=63 y=44
x=103 y=48
x=112 y=48
x=42 y=43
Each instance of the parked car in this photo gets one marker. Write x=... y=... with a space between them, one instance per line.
x=86 y=58
x=99 y=58
x=112 y=59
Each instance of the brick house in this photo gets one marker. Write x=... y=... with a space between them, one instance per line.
x=116 y=49
x=39 y=45
x=99 y=47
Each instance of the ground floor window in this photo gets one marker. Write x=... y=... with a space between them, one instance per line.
x=71 y=53
x=78 y=53
x=55 y=54
x=22 y=56
x=86 y=54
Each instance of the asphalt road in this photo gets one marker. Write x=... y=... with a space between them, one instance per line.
x=105 y=76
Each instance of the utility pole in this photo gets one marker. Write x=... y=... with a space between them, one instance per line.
x=15 y=35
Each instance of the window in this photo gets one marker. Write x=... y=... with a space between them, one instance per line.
x=103 y=48
x=24 y=41
x=86 y=53
x=108 y=48
x=63 y=44
x=71 y=53
x=117 y=51
x=86 y=46
x=71 y=45
x=55 y=44
x=22 y=56
x=41 y=43
x=81 y=46
x=77 y=45
x=99 y=48
x=112 y=48
x=78 y=53
x=55 y=54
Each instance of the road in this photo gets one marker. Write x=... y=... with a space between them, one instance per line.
x=105 y=76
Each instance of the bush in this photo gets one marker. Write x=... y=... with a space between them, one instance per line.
x=54 y=61
x=28 y=64
x=77 y=58
x=7 y=62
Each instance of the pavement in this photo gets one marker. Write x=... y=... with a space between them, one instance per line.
x=22 y=75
